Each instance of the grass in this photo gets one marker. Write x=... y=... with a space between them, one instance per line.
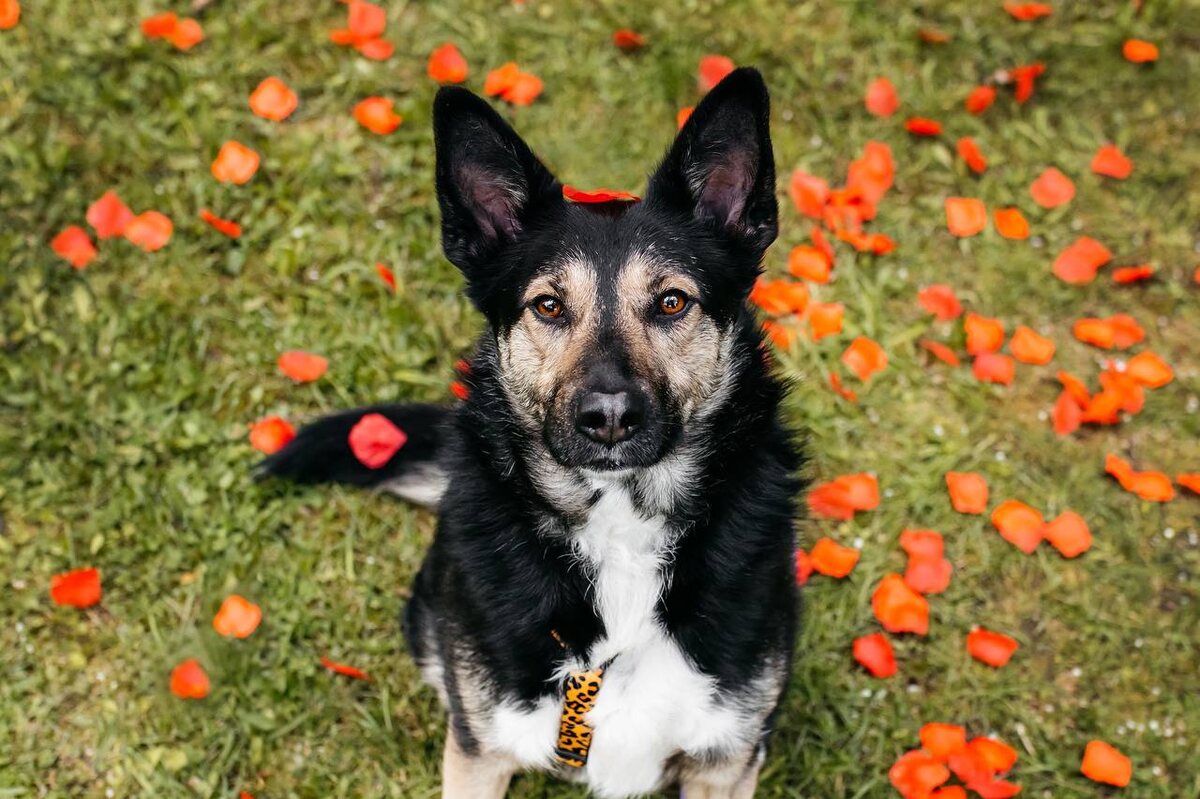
x=127 y=388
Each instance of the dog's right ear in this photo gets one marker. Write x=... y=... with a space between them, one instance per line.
x=489 y=183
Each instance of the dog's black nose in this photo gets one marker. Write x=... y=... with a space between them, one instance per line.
x=609 y=418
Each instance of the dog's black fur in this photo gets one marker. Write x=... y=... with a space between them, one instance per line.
x=502 y=574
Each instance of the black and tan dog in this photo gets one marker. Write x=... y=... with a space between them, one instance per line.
x=610 y=593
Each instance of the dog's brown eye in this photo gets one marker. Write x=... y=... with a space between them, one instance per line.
x=672 y=302
x=548 y=307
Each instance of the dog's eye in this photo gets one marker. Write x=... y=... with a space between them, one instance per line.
x=547 y=307
x=671 y=303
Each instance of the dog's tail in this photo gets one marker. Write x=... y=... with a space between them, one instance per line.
x=320 y=453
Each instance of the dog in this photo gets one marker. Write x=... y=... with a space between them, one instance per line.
x=610 y=594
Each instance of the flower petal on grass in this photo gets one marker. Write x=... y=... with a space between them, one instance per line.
x=841 y=497
x=928 y=575
x=968 y=492
x=943 y=740
x=999 y=756
x=1025 y=77
x=1149 y=370
x=992 y=648
x=915 y=774
x=345 y=670
x=835 y=383
x=1133 y=274
x=366 y=20
x=271 y=434
x=923 y=126
x=376 y=115
x=875 y=654
x=189 y=680
x=780 y=297
x=447 y=65
x=273 y=99
x=1029 y=346
x=941 y=352
x=386 y=275
x=1190 y=481
x=150 y=230
x=1104 y=763
x=1069 y=534
x=980 y=99
x=1011 y=223
x=825 y=319
x=301 y=366
x=1019 y=524
x=984 y=334
x=1119 y=331
x=865 y=358
x=109 y=216
x=224 y=226
x=804 y=567
x=993 y=367
x=712 y=70
x=1111 y=162
x=809 y=193
x=965 y=216
x=1079 y=262
x=881 y=99
x=237 y=617
x=1139 y=51
x=832 y=559
x=1067 y=415
x=235 y=163
x=1026 y=12
x=899 y=608
x=10 y=14
x=628 y=40
x=809 y=263
x=73 y=244
x=970 y=153
x=1052 y=188
x=79 y=588
x=941 y=301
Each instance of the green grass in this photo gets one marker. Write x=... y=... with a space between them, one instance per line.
x=126 y=389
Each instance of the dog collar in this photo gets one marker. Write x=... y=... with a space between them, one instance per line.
x=580 y=690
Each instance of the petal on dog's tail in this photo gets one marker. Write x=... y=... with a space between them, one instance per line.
x=321 y=453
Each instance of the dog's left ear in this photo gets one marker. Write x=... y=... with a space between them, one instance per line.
x=721 y=169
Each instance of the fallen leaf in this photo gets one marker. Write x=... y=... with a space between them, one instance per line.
x=899 y=608
x=1010 y=223
x=1069 y=534
x=1029 y=346
x=273 y=99
x=971 y=155
x=376 y=115
x=628 y=40
x=832 y=559
x=980 y=99
x=189 y=681
x=374 y=439
x=73 y=244
x=301 y=366
x=1019 y=525
x=1104 y=763
x=1052 y=189
x=713 y=69
x=968 y=492
x=224 y=226
x=865 y=358
x=79 y=588
x=984 y=334
x=1079 y=262
x=1111 y=162
x=1138 y=51
x=992 y=648
x=343 y=669
x=237 y=617
x=109 y=216
x=235 y=163
x=923 y=126
x=150 y=230
x=941 y=301
x=874 y=653
x=881 y=99
x=447 y=64
x=965 y=216
x=271 y=434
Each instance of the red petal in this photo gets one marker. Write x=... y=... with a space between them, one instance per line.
x=374 y=440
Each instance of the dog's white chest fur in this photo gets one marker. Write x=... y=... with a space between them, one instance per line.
x=653 y=703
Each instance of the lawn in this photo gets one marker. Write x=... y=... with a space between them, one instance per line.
x=128 y=386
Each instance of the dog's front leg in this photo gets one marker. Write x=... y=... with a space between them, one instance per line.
x=733 y=780
x=480 y=776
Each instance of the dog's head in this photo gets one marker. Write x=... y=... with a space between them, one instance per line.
x=614 y=323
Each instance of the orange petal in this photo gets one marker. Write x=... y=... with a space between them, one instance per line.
x=869 y=177
x=968 y=491
x=186 y=35
x=933 y=36
x=840 y=497
x=994 y=649
x=1028 y=346
x=526 y=88
x=804 y=567
x=949 y=792
x=1019 y=525
x=273 y=99
x=1133 y=274
x=683 y=115
x=1028 y=11
x=376 y=115
x=712 y=70
x=79 y=588
x=923 y=126
x=922 y=543
x=575 y=195
x=1069 y=534
x=386 y=275
x=189 y=681
x=881 y=99
x=941 y=301
x=160 y=25
x=376 y=49
x=1052 y=189
x=980 y=99
x=1138 y=51
x=73 y=244
x=916 y=774
x=899 y=608
x=1025 y=78
x=235 y=163
x=238 y=617
x=303 y=367
x=1111 y=162
x=1067 y=415
x=150 y=230
x=501 y=79
x=1104 y=763
x=835 y=382
x=832 y=559
x=779 y=297
x=809 y=193
x=366 y=20
x=825 y=319
x=971 y=155
x=783 y=336
x=225 y=226
x=999 y=756
x=928 y=575
x=109 y=216
x=1011 y=223
x=1119 y=331
x=943 y=740
x=1080 y=261
x=374 y=440
x=965 y=216
x=1149 y=370
x=809 y=263
x=271 y=434
x=1189 y=480
x=447 y=64
x=345 y=670
x=628 y=40
x=992 y=367
x=984 y=334
x=1073 y=386
x=865 y=358
x=941 y=352
x=874 y=653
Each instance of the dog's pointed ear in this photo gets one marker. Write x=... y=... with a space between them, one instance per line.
x=489 y=183
x=721 y=169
